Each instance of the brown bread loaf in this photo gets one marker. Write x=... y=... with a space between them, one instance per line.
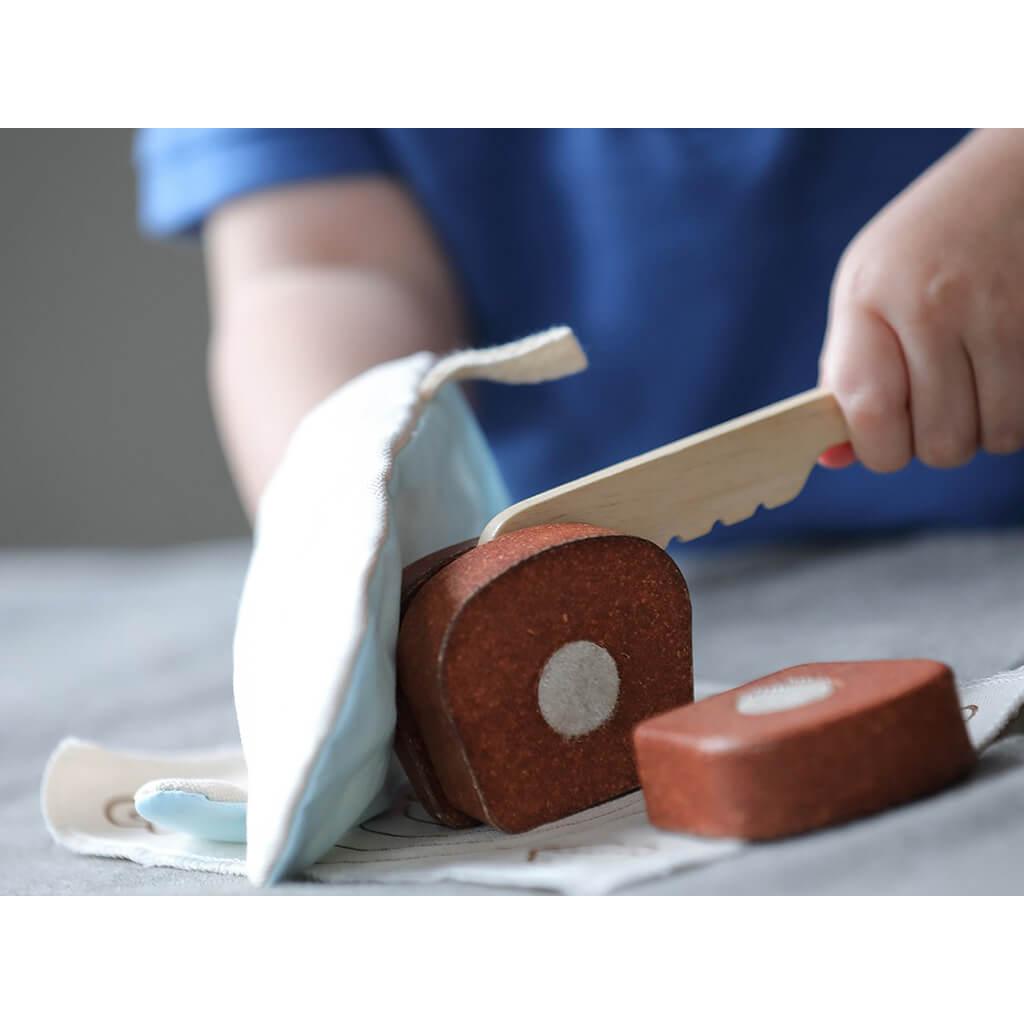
x=803 y=748
x=524 y=665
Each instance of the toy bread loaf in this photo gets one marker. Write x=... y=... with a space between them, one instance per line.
x=409 y=744
x=525 y=663
x=803 y=748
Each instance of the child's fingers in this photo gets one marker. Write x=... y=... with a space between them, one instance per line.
x=943 y=405
x=862 y=364
x=999 y=380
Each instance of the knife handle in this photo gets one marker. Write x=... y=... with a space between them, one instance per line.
x=682 y=489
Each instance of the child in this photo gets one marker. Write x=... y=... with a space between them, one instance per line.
x=694 y=266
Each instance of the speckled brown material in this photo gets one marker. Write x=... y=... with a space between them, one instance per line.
x=409 y=744
x=479 y=636
x=415 y=574
x=804 y=748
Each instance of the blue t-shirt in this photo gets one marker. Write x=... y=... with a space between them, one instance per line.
x=694 y=266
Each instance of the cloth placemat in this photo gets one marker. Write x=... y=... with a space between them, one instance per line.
x=89 y=808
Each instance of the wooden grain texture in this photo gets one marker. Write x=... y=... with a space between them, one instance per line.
x=682 y=489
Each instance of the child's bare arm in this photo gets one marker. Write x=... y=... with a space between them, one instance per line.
x=309 y=286
x=925 y=345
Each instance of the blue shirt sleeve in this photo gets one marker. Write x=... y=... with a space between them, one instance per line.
x=184 y=174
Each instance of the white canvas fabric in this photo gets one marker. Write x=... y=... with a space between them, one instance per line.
x=389 y=468
x=88 y=799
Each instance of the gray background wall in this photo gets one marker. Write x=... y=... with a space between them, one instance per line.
x=105 y=432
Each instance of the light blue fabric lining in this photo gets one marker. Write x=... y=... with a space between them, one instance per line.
x=444 y=487
x=195 y=814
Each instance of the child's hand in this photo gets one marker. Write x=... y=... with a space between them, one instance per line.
x=925 y=342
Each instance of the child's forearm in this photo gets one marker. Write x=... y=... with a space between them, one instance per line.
x=311 y=287
x=292 y=340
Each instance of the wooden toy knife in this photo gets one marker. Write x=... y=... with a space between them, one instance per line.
x=682 y=489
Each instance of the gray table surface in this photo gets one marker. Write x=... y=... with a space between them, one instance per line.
x=131 y=649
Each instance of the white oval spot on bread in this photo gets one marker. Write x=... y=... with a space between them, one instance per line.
x=578 y=688
x=785 y=695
